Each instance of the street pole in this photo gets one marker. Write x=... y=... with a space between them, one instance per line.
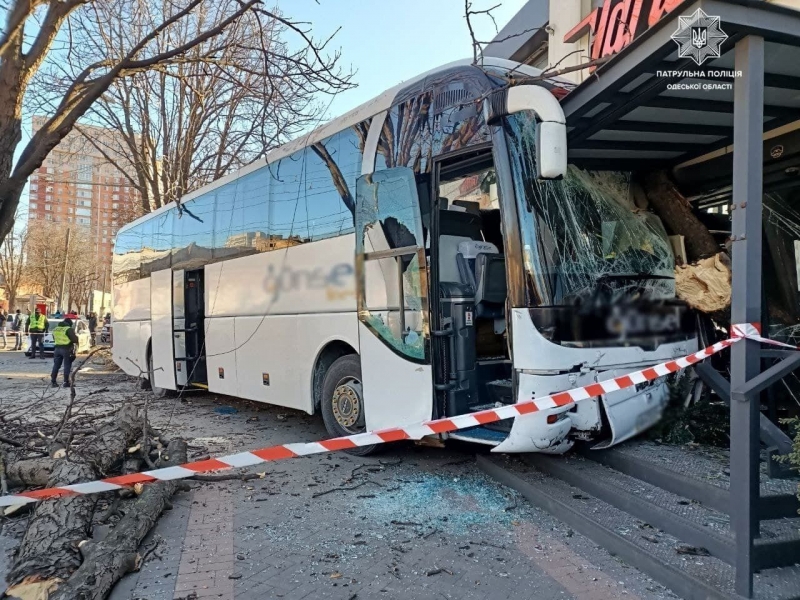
x=64 y=275
x=103 y=293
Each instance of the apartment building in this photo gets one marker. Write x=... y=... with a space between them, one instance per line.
x=77 y=185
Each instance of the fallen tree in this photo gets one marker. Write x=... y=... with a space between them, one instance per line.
x=107 y=560
x=57 y=556
x=704 y=283
x=48 y=550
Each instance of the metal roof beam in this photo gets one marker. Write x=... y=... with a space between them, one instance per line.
x=703 y=105
x=635 y=145
x=658 y=127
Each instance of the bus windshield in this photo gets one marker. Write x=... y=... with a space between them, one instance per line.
x=582 y=237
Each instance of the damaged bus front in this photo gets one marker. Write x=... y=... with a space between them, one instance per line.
x=595 y=297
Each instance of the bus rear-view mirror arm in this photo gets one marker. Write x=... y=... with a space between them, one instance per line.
x=551 y=129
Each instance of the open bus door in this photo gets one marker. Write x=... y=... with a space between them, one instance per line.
x=177 y=336
x=162 y=349
x=392 y=300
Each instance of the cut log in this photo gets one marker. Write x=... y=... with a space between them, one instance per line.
x=676 y=212
x=30 y=472
x=106 y=561
x=705 y=285
x=49 y=548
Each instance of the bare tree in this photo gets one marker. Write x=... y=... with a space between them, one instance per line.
x=48 y=255
x=12 y=267
x=61 y=53
x=233 y=99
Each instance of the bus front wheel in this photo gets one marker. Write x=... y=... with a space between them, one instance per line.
x=343 y=403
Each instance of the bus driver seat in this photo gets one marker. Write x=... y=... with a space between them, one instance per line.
x=483 y=268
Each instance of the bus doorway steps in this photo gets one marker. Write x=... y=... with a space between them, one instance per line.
x=641 y=542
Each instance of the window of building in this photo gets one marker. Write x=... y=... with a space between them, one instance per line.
x=32 y=205
x=48 y=207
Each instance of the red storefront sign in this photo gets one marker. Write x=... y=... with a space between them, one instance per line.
x=617 y=23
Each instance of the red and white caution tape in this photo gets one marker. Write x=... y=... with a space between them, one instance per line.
x=410 y=432
x=752 y=331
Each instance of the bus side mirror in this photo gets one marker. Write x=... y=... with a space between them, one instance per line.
x=551 y=150
x=551 y=127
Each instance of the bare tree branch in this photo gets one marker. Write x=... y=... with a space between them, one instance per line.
x=185 y=40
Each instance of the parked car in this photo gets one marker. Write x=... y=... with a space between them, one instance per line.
x=81 y=330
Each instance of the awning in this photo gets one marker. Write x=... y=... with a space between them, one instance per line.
x=626 y=115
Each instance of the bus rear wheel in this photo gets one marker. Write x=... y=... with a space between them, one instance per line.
x=343 y=402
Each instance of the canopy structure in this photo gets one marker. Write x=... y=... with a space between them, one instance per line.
x=641 y=110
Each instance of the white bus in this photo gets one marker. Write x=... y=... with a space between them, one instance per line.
x=427 y=254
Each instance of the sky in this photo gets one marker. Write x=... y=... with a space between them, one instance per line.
x=390 y=42
x=384 y=42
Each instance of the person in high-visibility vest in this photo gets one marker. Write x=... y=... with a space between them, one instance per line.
x=36 y=327
x=65 y=340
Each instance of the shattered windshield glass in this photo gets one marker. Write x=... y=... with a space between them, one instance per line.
x=583 y=239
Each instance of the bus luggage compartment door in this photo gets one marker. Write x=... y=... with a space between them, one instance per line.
x=161 y=345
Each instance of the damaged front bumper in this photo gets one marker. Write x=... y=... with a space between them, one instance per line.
x=628 y=412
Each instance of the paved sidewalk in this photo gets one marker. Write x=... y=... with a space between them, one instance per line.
x=412 y=522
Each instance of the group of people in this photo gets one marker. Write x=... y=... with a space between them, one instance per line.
x=36 y=325
x=16 y=326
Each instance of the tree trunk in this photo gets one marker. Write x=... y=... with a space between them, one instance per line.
x=49 y=548
x=30 y=472
x=676 y=212
x=107 y=560
x=10 y=194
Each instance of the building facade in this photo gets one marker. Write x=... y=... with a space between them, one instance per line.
x=563 y=34
x=77 y=186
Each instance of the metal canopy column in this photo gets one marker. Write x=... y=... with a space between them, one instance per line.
x=748 y=125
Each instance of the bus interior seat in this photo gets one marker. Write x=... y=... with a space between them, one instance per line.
x=483 y=268
x=455 y=227
x=473 y=208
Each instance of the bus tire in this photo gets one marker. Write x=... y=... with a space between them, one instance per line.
x=342 y=401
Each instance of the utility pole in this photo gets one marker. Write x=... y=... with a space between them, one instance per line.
x=103 y=293
x=64 y=274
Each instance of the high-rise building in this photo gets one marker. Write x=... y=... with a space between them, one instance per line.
x=78 y=185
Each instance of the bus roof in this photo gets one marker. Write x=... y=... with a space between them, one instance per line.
x=364 y=111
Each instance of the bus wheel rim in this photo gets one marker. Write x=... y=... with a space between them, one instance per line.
x=348 y=405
